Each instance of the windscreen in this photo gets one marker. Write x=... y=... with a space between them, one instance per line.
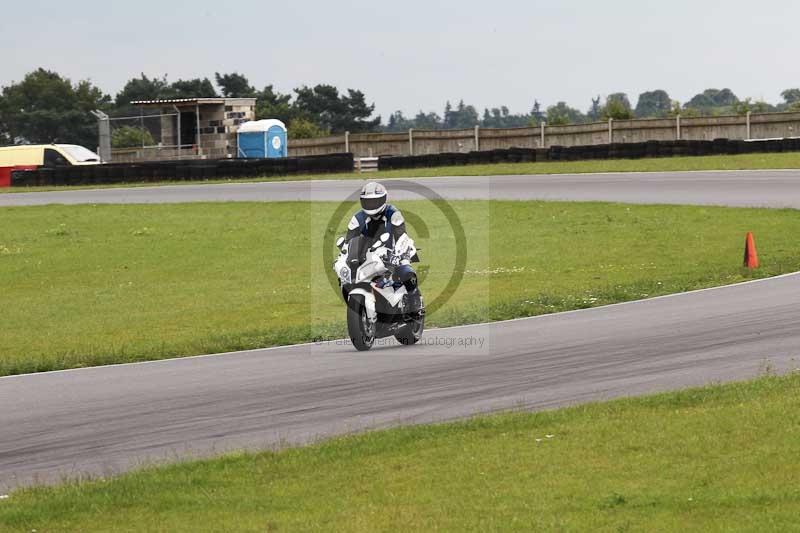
x=357 y=251
x=79 y=153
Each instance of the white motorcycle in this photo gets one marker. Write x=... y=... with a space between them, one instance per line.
x=377 y=302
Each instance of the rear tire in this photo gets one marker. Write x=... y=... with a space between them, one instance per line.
x=411 y=333
x=361 y=332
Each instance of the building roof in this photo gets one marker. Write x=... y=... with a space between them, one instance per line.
x=194 y=101
x=257 y=126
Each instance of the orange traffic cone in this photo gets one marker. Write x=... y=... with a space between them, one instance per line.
x=750 y=254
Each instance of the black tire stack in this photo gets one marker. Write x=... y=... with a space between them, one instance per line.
x=649 y=149
x=194 y=170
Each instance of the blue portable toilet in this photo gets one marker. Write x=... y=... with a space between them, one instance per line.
x=262 y=138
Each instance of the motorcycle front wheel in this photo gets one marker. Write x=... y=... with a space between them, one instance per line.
x=359 y=327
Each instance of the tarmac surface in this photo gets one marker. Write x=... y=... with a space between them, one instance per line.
x=767 y=188
x=104 y=420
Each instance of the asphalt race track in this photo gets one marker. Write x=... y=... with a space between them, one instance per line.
x=768 y=188
x=104 y=420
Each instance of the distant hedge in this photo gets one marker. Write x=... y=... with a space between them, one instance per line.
x=193 y=170
x=597 y=151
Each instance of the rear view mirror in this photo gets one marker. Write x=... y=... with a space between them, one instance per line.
x=385 y=238
x=339 y=242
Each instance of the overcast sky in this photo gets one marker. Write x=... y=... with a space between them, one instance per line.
x=414 y=54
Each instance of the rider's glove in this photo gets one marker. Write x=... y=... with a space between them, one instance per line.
x=395 y=260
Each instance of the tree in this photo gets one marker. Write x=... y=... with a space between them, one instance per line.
x=196 y=88
x=5 y=135
x=487 y=118
x=323 y=105
x=678 y=110
x=272 y=104
x=790 y=96
x=422 y=121
x=46 y=108
x=617 y=107
x=536 y=116
x=305 y=129
x=596 y=111
x=320 y=104
x=143 y=88
x=427 y=121
x=562 y=114
x=235 y=85
x=398 y=122
x=725 y=97
x=131 y=137
x=742 y=107
x=464 y=117
x=713 y=101
x=498 y=117
x=357 y=113
x=501 y=117
x=653 y=104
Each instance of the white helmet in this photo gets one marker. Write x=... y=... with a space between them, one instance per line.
x=373 y=198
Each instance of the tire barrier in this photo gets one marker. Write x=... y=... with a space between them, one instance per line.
x=195 y=170
x=648 y=149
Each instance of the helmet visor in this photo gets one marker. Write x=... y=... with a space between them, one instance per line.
x=373 y=204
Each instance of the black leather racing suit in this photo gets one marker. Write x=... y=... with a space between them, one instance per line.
x=389 y=221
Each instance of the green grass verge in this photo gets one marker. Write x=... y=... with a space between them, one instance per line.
x=98 y=284
x=789 y=160
x=721 y=458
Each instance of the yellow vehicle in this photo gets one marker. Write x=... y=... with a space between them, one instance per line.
x=33 y=156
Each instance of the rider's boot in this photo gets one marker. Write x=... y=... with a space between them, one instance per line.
x=414 y=301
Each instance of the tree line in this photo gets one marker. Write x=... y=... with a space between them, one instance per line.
x=650 y=104
x=46 y=107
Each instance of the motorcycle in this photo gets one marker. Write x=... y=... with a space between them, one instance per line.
x=377 y=302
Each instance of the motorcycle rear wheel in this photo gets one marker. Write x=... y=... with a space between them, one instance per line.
x=411 y=333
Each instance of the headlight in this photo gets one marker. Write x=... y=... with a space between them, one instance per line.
x=344 y=273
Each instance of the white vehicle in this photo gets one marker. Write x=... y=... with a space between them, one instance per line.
x=377 y=303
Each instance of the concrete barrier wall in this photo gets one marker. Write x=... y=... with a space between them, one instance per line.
x=760 y=126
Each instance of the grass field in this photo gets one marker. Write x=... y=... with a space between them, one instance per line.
x=722 y=458
x=789 y=160
x=98 y=284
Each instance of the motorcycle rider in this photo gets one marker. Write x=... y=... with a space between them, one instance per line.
x=377 y=217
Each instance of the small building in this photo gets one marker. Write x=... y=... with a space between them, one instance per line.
x=262 y=138
x=196 y=128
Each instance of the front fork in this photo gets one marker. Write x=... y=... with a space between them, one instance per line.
x=369 y=303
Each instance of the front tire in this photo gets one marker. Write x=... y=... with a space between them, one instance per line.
x=359 y=327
